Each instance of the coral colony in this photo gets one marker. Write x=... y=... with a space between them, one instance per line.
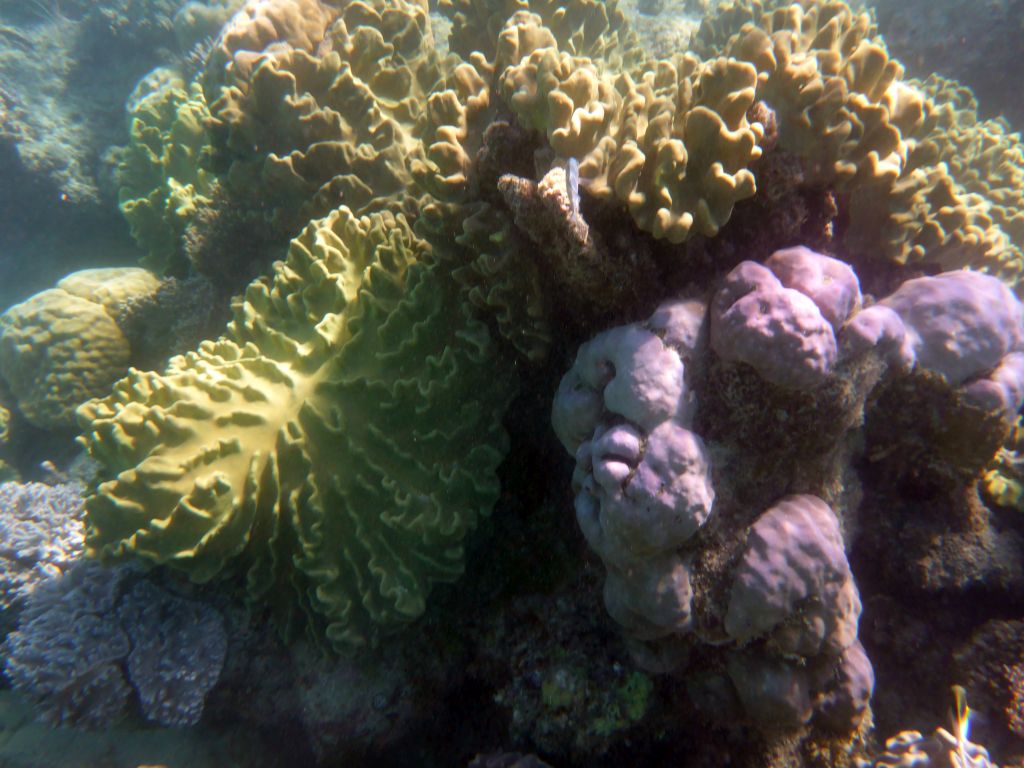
x=767 y=284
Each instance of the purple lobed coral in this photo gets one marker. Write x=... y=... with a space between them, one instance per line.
x=786 y=633
x=793 y=591
x=966 y=326
x=642 y=477
x=783 y=317
x=793 y=585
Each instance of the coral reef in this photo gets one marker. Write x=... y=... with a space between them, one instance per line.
x=642 y=478
x=354 y=499
x=792 y=273
x=793 y=589
x=90 y=638
x=314 y=105
x=41 y=534
x=1003 y=483
x=63 y=346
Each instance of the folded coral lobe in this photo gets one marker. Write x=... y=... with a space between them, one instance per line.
x=337 y=443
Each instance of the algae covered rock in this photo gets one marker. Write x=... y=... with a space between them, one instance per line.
x=337 y=443
x=63 y=346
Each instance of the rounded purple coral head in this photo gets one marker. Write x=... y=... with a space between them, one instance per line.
x=781 y=318
x=966 y=326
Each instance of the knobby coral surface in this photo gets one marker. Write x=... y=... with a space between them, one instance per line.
x=63 y=346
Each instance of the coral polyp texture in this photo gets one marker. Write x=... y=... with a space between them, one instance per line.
x=338 y=442
x=64 y=346
x=89 y=637
x=315 y=105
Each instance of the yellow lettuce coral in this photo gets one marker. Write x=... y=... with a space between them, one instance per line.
x=160 y=178
x=836 y=94
x=596 y=29
x=959 y=198
x=338 y=442
x=674 y=146
x=927 y=181
x=63 y=346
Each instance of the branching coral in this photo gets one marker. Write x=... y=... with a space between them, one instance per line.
x=41 y=534
x=340 y=439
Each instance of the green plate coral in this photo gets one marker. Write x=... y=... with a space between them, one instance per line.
x=338 y=441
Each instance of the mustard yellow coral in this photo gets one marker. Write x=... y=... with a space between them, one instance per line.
x=1003 y=481
x=835 y=92
x=674 y=146
x=593 y=28
x=338 y=441
x=63 y=346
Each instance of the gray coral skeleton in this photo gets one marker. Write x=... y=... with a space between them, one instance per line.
x=41 y=534
x=94 y=637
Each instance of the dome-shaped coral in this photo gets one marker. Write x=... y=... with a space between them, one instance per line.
x=63 y=346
